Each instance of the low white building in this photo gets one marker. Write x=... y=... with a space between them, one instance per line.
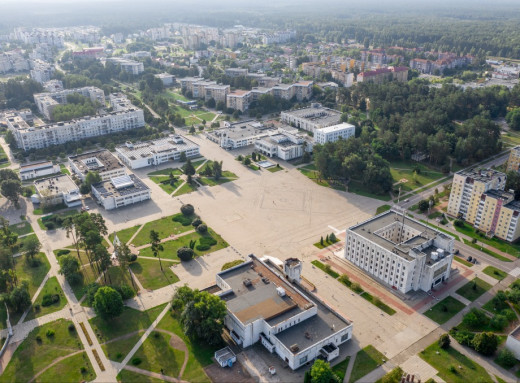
x=120 y=191
x=267 y=304
x=513 y=342
x=401 y=252
x=56 y=190
x=311 y=118
x=100 y=161
x=334 y=133
x=129 y=66
x=239 y=134
x=166 y=78
x=156 y=152
x=283 y=145
x=38 y=169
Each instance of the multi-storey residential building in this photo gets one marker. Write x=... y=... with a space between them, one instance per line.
x=216 y=92
x=467 y=189
x=384 y=74
x=117 y=192
x=238 y=100
x=100 y=161
x=13 y=61
x=41 y=71
x=38 y=169
x=53 y=86
x=156 y=152
x=267 y=303
x=95 y=52
x=311 y=118
x=46 y=102
x=57 y=190
x=129 y=66
x=334 y=133
x=513 y=163
x=166 y=78
x=235 y=72
x=36 y=137
x=401 y=252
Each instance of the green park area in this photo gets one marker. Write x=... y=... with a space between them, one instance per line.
x=367 y=360
x=167 y=179
x=444 y=310
x=166 y=226
x=497 y=243
x=412 y=175
x=54 y=351
x=473 y=289
x=312 y=173
x=453 y=366
x=21 y=228
x=495 y=272
x=340 y=369
x=50 y=299
x=150 y=275
x=124 y=235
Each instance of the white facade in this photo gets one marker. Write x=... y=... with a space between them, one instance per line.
x=311 y=118
x=166 y=78
x=513 y=342
x=100 y=161
x=334 y=133
x=299 y=333
x=283 y=145
x=56 y=190
x=36 y=170
x=129 y=66
x=239 y=134
x=156 y=152
x=41 y=71
x=120 y=191
x=46 y=102
x=407 y=256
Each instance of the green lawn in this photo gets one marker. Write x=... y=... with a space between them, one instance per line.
x=341 y=368
x=274 y=169
x=487 y=251
x=49 y=209
x=210 y=181
x=166 y=184
x=118 y=349
x=173 y=96
x=166 y=172
x=447 y=362
x=474 y=289
x=150 y=275
x=377 y=302
x=497 y=243
x=357 y=187
x=34 y=275
x=164 y=226
x=463 y=261
x=126 y=376
x=156 y=354
x=32 y=356
x=495 y=273
x=325 y=268
x=21 y=228
x=382 y=209
x=444 y=310
x=185 y=189
x=405 y=170
x=367 y=360
x=51 y=287
x=325 y=243
x=64 y=169
x=130 y=320
x=70 y=368
x=200 y=355
x=87 y=276
x=170 y=247
x=229 y=265
x=62 y=215
x=125 y=234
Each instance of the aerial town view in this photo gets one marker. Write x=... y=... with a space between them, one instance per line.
x=259 y=191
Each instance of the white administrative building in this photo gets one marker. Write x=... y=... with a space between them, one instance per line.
x=57 y=190
x=38 y=169
x=120 y=191
x=268 y=304
x=334 y=133
x=100 y=161
x=156 y=152
x=401 y=252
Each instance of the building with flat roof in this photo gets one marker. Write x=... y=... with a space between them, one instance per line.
x=56 y=190
x=155 y=152
x=38 y=169
x=129 y=66
x=513 y=163
x=36 y=137
x=46 y=102
x=513 y=342
x=239 y=134
x=120 y=191
x=41 y=71
x=311 y=118
x=400 y=252
x=283 y=144
x=268 y=304
x=100 y=161
x=166 y=78
x=334 y=133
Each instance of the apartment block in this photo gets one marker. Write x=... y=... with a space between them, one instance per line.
x=467 y=189
x=400 y=252
x=335 y=132
x=513 y=163
x=129 y=66
x=46 y=102
x=381 y=75
x=41 y=71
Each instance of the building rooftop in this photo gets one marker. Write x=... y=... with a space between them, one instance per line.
x=317 y=114
x=516 y=333
x=482 y=175
x=419 y=233
x=36 y=165
x=335 y=128
x=154 y=147
x=96 y=161
x=120 y=186
x=500 y=194
x=55 y=185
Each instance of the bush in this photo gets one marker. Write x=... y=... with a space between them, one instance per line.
x=202 y=247
x=136 y=361
x=49 y=225
x=498 y=322
x=36 y=307
x=459 y=223
x=202 y=228
x=444 y=341
x=184 y=221
x=506 y=358
x=187 y=209
x=126 y=291
x=83 y=370
x=49 y=299
x=133 y=258
x=356 y=287
x=463 y=337
x=343 y=278
x=485 y=343
x=38 y=339
x=90 y=291
x=62 y=252
x=50 y=333
x=196 y=222
x=72 y=328
x=208 y=241
x=185 y=253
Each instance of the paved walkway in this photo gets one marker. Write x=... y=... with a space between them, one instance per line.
x=148 y=373
x=350 y=367
x=35 y=296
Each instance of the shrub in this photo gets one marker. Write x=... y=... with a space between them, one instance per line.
x=126 y=291
x=136 y=361
x=62 y=252
x=184 y=221
x=240 y=157
x=90 y=291
x=506 y=358
x=459 y=223
x=202 y=228
x=203 y=247
x=187 y=209
x=49 y=225
x=343 y=278
x=356 y=287
x=50 y=333
x=196 y=222
x=485 y=343
x=133 y=258
x=208 y=241
x=444 y=341
x=36 y=307
x=498 y=322
x=185 y=253
x=49 y=299
x=83 y=370
x=119 y=355
x=463 y=337
x=247 y=162
x=72 y=328
x=38 y=339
